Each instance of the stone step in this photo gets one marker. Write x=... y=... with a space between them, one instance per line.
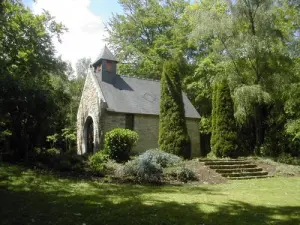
x=245 y=174
x=227 y=162
x=219 y=160
x=239 y=170
x=249 y=177
x=239 y=166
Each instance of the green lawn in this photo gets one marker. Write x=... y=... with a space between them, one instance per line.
x=28 y=197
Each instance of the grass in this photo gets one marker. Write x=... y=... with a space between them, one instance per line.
x=29 y=197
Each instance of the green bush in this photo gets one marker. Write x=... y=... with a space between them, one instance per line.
x=71 y=161
x=47 y=157
x=97 y=162
x=173 y=135
x=57 y=160
x=288 y=159
x=180 y=173
x=224 y=135
x=119 y=142
x=52 y=152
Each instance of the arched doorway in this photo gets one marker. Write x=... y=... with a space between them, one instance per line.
x=89 y=135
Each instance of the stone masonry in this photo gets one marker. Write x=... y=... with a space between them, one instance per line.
x=100 y=87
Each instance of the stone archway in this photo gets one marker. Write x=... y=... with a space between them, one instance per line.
x=89 y=135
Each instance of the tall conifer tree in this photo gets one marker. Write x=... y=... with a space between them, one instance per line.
x=224 y=135
x=173 y=136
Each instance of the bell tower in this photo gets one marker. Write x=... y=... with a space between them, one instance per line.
x=105 y=65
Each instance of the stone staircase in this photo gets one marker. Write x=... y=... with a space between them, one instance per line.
x=236 y=169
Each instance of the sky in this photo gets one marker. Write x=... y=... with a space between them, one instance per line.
x=85 y=21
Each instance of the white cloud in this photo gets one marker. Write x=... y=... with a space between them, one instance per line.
x=86 y=30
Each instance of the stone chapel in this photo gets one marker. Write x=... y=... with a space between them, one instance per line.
x=111 y=101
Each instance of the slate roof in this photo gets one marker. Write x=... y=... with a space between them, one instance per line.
x=105 y=54
x=137 y=96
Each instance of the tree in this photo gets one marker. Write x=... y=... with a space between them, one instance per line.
x=251 y=40
x=82 y=67
x=30 y=106
x=148 y=32
x=173 y=136
x=74 y=88
x=224 y=136
x=70 y=73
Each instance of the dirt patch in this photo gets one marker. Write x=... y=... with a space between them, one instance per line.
x=271 y=169
x=204 y=174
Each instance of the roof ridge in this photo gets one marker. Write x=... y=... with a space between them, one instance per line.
x=140 y=78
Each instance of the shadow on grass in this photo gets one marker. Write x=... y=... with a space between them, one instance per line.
x=30 y=199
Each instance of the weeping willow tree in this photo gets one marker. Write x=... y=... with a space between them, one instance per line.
x=251 y=39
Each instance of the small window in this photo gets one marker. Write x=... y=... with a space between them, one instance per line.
x=109 y=66
x=129 y=121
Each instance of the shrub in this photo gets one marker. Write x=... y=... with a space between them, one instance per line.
x=288 y=159
x=78 y=163
x=52 y=152
x=63 y=164
x=119 y=142
x=180 y=173
x=173 y=135
x=48 y=157
x=161 y=158
x=111 y=167
x=143 y=170
x=57 y=160
x=148 y=167
x=97 y=162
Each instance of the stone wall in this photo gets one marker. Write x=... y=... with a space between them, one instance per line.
x=89 y=106
x=147 y=126
x=193 y=131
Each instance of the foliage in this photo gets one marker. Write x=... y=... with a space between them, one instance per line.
x=173 y=136
x=253 y=45
x=224 y=137
x=69 y=137
x=180 y=173
x=52 y=139
x=146 y=33
x=82 y=67
x=97 y=162
x=199 y=84
x=291 y=108
x=30 y=104
x=288 y=159
x=148 y=167
x=119 y=142
x=70 y=73
x=205 y=125
x=161 y=158
x=143 y=169
x=64 y=140
x=74 y=89
x=245 y=98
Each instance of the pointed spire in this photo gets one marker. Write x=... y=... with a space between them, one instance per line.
x=105 y=54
